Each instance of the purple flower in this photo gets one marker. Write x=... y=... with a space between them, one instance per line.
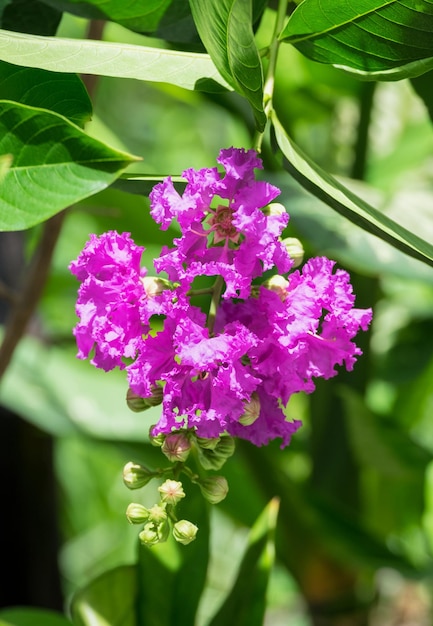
x=224 y=230
x=108 y=299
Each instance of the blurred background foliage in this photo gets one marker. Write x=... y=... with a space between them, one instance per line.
x=355 y=533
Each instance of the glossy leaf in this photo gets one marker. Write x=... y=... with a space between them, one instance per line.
x=246 y=603
x=184 y=69
x=54 y=165
x=138 y=16
x=369 y=35
x=61 y=93
x=108 y=600
x=340 y=198
x=225 y=27
x=31 y=617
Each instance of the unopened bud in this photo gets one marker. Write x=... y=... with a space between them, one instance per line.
x=157 y=514
x=251 y=410
x=149 y=536
x=156 y=440
x=275 y=208
x=207 y=444
x=154 y=286
x=137 y=404
x=171 y=492
x=136 y=475
x=278 y=284
x=176 y=447
x=214 y=488
x=184 y=531
x=215 y=459
x=137 y=513
x=295 y=249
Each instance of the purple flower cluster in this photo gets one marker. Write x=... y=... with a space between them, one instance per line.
x=234 y=370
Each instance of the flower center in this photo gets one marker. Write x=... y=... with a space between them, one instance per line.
x=222 y=225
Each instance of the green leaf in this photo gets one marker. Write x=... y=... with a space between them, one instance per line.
x=171 y=577
x=245 y=605
x=30 y=16
x=61 y=93
x=225 y=27
x=54 y=165
x=189 y=70
x=31 y=617
x=423 y=86
x=337 y=196
x=109 y=600
x=138 y=16
x=369 y=35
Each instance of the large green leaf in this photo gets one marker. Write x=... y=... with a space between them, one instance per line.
x=139 y=16
x=184 y=69
x=225 y=27
x=31 y=617
x=108 y=600
x=245 y=605
x=54 y=165
x=369 y=35
x=340 y=198
x=29 y=16
x=61 y=93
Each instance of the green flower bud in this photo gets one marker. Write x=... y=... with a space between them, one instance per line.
x=295 y=249
x=275 y=208
x=207 y=444
x=215 y=459
x=176 y=447
x=137 y=513
x=136 y=475
x=156 y=440
x=154 y=286
x=214 y=488
x=252 y=410
x=137 y=403
x=157 y=514
x=184 y=532
x=171 y=492
x=149 y=536
x=279 y=285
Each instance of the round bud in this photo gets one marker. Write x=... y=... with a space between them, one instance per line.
x=251 y=410
x=176 y=447
x=137 y=513
x=295 y=249
x=136 y=475
x=154 y=286
x=214 y=488
x=275 y=209
x=184 y=532
x=215 y=458
x=171 y=492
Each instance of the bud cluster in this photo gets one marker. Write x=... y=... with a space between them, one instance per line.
x=211 y=454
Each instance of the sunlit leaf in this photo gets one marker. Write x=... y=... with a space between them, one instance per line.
x=245 y=605
x=370 y=35
x=107 y=601
x=327 y=188
x=61 y=93
x=225 y=27
x=54 y=165
x=82 y=56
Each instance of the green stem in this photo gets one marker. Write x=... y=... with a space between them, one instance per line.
x=206 y=291
x=216 y=295
x=268 y=89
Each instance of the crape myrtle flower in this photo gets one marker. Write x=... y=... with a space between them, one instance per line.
x=232 y=372
x=224 y=230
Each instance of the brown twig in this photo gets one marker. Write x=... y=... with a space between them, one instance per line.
x=31 y=291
